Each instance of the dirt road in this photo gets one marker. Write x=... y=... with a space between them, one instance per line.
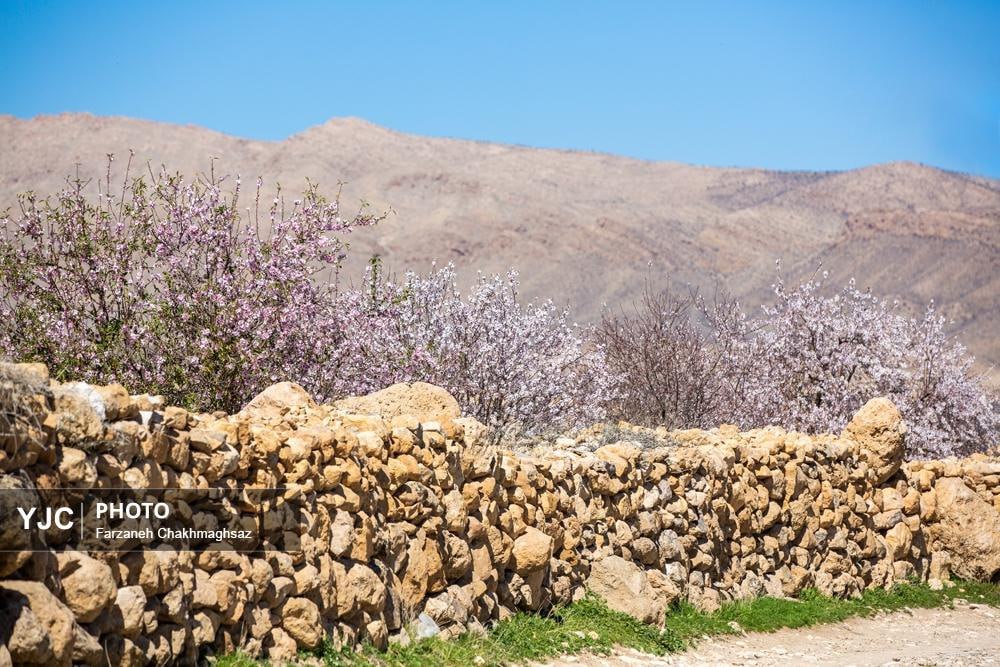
x=966 y=635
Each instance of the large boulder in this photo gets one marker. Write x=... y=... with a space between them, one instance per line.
x=424 y=401
x=278 y=398
x=968 y=528
x=625 y=587
x=878 y=427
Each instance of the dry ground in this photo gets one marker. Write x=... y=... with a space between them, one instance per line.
x=965 y=635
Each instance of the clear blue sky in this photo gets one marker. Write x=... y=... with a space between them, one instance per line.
x=781 y=85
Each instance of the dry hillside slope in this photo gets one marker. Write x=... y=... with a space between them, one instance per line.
x=588 y=228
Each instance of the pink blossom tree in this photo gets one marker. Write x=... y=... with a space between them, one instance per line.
x=167 y=286
x=516 y=367
x=808 y=361
x=821 y=357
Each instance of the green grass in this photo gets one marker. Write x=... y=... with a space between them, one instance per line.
x=811 y=608
x=590 y=626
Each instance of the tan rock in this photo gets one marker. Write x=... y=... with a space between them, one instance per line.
x=891 y=500
x=898 y=541
x=368 y=589
x=206 y=441
x=666 y=590
x=76 y=469
x=79 y=413
x=277 y=399
x=878 y=427
x=87 y=583
x=624 y=586
x=86 y=649
x=283 y=648
x=402 y=469
x=42 y=627
x=118 y=405
x=14 y=493
x=228 y=591
x=306 y=579
x=123 y=652
x=421 y=562
x=968 y=527
x=531 y=551
x=341 y=533
x=278 y=590
x=301 y=620
x=130 y=602
x=425 y=402
x=457 y=557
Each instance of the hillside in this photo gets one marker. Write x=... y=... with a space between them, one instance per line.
x=587 y=229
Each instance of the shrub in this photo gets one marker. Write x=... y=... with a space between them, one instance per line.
x=167 y=287
x=516 y=367
x=670 y=371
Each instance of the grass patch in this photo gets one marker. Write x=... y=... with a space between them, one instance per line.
x=810 y=608
x=590 y=626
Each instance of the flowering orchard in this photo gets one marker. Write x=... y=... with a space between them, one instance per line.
x=807 y=362
x=516 y=367
x=168 y=286
x=822 y=357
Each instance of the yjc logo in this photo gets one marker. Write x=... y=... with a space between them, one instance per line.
x=60 y=517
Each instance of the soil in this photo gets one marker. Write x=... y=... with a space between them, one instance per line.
x=966 y=635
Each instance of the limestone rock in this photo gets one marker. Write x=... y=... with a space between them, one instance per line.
x=86 y=649
x=283 y=647
x=368 y=589
x=127 y=610
x=424 y=401
x=79 y=414
x=624 y=586
x=14 y=493
x=118 y=404
x=878 y=427
x=532 y=551
x=968 y=528
x=42 y=626
x=88 y=586
x=277 y=398
x=300 y=619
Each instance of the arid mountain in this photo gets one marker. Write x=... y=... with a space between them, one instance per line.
x=587 y=229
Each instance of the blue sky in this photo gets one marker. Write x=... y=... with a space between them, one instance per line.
x=798 y=85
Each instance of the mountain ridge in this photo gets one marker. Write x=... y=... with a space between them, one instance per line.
x=585 y=228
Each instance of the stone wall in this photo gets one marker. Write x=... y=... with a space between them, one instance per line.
x=409 y=522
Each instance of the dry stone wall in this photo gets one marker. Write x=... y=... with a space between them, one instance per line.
x=407 y=522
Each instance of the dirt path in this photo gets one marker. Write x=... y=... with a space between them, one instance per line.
x=966 y=635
